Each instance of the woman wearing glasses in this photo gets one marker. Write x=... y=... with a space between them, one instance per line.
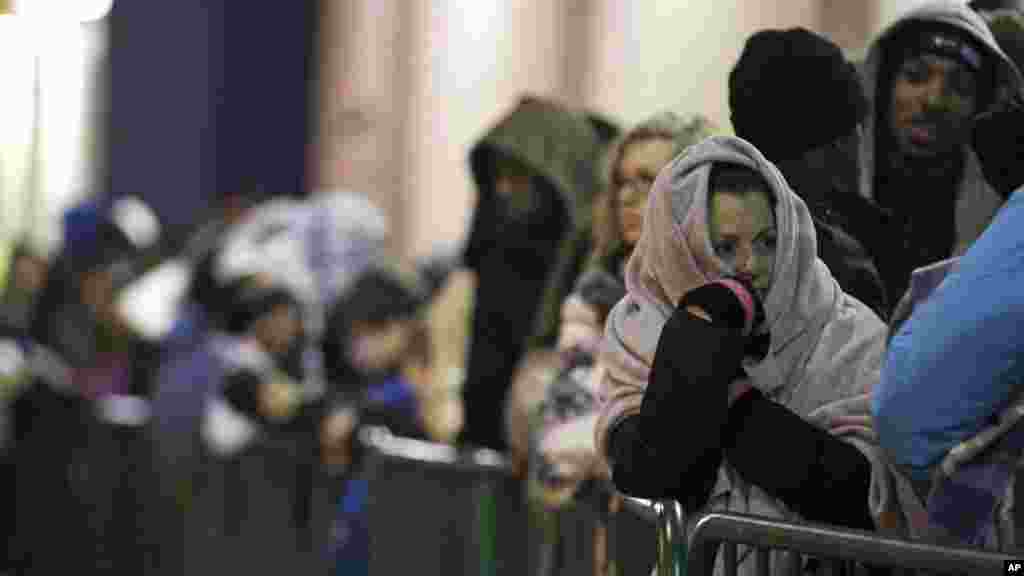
x=634 y=162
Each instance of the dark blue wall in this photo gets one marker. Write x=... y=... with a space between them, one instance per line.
x=208 y=97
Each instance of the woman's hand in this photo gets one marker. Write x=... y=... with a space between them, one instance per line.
x=729 y=300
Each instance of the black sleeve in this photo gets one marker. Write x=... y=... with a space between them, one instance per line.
x=814 y=473
x=674 y=446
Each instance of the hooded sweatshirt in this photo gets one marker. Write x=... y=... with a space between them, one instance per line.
x=825 y=346
x=975 y=202
x=514 y=243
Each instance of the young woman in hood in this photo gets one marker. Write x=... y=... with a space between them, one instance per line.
x=737 y=370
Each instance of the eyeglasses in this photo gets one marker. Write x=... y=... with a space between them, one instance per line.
x=633 y=191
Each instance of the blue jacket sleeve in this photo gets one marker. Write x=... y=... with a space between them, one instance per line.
x=957 y=361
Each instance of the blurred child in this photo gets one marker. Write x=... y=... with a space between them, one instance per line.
x=379 y=360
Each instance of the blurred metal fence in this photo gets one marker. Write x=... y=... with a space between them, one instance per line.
x=262 y=511
x=434 y=510
x=836 y=551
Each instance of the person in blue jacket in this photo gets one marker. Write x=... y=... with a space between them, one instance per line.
x=956 y=362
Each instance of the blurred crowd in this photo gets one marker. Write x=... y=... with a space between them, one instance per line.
x=816 y=319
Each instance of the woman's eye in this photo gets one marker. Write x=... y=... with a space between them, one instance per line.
x=916 y=72
x=963 y=85
x=725 y=250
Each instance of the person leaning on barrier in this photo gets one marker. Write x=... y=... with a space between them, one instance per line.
x=737 y=370
x=261 y=391
x=378 y=358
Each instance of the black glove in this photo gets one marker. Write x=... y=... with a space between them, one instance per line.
x=729 y=300
x=997 y=142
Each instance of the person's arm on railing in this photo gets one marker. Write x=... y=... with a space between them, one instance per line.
x=674 y=446
x=817 y=475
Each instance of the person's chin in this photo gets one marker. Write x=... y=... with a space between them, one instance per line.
x=919 y=150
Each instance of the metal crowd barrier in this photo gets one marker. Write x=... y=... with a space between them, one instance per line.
x=842 y=551
x=668 y=516
x=434 y=510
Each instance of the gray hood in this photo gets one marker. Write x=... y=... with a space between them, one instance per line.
x=977 y=202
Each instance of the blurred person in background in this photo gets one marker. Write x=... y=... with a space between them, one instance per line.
x=553 y=399
x=189 y=368
x=25 y=279
x=550 y=415
x=378 y=353
x=794 y=96
x=89 y=423
x=196 y=315
x=575 y=252
x=256 y=502
x=634 y=162
x=15 y=376
x=535 y=177
x=927 y=76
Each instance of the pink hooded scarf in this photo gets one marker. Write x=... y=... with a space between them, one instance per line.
x=826 y=347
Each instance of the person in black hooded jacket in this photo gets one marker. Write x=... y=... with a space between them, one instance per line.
x=796 y=98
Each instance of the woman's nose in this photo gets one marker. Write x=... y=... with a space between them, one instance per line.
x=746 y=264
x=939 y=93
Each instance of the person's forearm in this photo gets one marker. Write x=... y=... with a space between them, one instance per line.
x=814 y=473
x=674 y=445
x=640 y=471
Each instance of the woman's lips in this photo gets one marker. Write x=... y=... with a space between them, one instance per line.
x=922 y=135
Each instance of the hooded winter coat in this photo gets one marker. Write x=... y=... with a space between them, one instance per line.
x=931 y=400
x=514 y=243
x=825 y=346
x=976 y=202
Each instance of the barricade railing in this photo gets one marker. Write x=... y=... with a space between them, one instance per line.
x=445 y=506
x=668 y=516
x=465 y=512
x=842 y=551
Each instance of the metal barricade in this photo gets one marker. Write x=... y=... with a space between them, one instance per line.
x=668 y=516
x=432 y=510
x=842 y=551
x=255 y=511
x=601 y=534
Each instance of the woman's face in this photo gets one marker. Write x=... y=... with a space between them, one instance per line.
x=744 y=236
x=632 y=180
